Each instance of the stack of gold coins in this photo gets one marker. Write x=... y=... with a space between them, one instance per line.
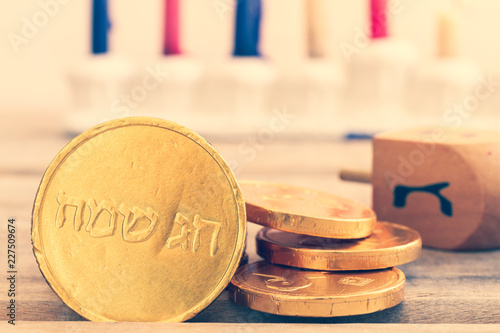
x=325 y=256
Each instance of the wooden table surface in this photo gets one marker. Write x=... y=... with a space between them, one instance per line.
x=443 y=289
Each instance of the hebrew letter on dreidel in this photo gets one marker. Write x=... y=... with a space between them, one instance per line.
x=401 y=193
x=416 y=169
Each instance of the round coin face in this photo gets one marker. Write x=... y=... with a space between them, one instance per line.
x=389 y=245
x=292 y=292
x=138 y=219
x=306 y=211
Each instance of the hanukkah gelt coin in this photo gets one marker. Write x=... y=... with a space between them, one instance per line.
x=293 y=292
x=138 y=219
x=389 y=245
x=306 y=211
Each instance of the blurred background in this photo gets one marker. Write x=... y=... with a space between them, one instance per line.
x=273 y=80
x=317 y=59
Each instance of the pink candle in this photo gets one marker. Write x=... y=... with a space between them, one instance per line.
x=171 y=28
x=378 y=15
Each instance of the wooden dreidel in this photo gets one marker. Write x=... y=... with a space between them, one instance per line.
x=442 y=182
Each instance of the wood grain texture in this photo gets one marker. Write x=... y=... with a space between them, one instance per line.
x=76 y=327
x=443 y=287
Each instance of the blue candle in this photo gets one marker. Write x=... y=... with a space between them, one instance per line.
x=247 y=30
x=100 y=26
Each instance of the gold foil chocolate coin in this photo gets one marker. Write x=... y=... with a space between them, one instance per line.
x=293 y=292
x=306 y=211
x=138 y=219
x=389 y=245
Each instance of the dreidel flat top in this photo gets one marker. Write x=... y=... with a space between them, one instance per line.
x=443 y=182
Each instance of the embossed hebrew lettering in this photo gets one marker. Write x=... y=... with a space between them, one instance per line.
x=355 y=281
x=65 y=201
x=189 y=233
x=200 y=225
x=132 y=218
x=182 y=239
x=281 y=283
x=107 y=212
x=401 y=193
x=96 y=211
